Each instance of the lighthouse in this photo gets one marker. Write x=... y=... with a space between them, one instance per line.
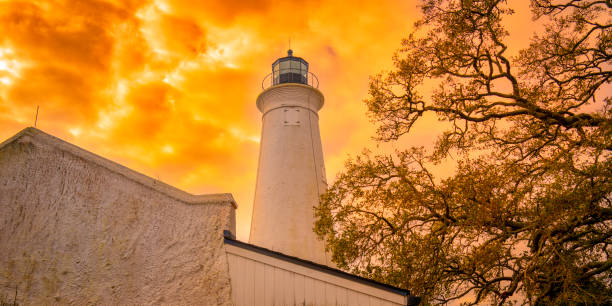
x=291 y=171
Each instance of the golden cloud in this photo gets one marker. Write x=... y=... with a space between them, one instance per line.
x=168 y=88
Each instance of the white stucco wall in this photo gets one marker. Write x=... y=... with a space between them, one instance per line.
x=76 y=229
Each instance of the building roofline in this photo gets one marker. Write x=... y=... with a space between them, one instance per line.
x=229 y=239
x=31 y=134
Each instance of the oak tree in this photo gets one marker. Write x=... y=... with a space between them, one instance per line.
x=527 y=214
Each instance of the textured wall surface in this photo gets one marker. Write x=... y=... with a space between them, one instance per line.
x=80 y=230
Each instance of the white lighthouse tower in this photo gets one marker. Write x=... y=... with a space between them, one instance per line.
x=291 y=173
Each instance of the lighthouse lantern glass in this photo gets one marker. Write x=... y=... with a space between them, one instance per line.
x=290 y=69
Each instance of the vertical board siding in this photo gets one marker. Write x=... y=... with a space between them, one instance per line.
x=289 y=288
x=234 y=274
x=260 y=284
x=330 y=294
x=249 y=281
x=342 y=297
x=363 y=299
x=279 y=288
x=309 y=290
x=375 y=301
x=319 y=292
x=353 y=297
x=269 y=285
x=299 y=289
x=240 y=280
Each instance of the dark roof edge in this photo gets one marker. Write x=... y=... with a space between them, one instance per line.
x=309 y=264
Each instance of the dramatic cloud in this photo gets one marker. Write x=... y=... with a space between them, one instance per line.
x=168 y=88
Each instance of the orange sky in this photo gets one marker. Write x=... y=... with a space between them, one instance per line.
x=168 y=87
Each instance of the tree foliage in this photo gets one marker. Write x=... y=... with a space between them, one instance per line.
x=527 y=214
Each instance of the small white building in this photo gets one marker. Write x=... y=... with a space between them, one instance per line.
x=263 y=277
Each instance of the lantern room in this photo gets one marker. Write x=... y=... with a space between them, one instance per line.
x=290 y=69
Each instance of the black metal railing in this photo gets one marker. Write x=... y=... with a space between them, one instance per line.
x=272 y=79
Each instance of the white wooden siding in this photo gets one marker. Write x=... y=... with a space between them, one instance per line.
x=258 y=279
